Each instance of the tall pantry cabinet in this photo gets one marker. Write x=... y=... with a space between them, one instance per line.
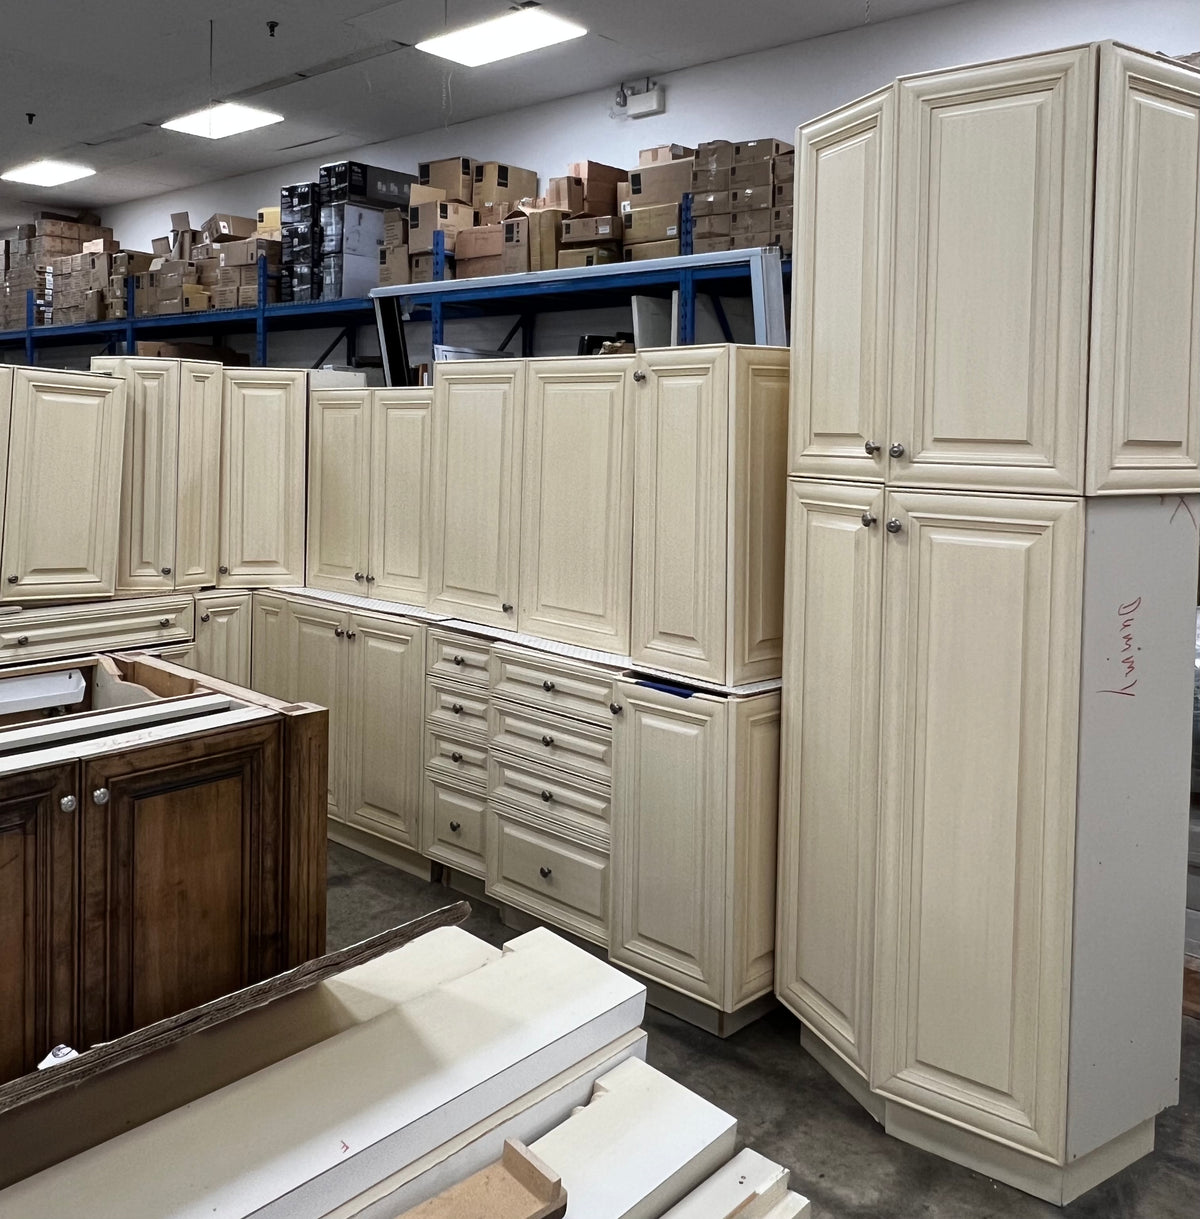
x=992 y=549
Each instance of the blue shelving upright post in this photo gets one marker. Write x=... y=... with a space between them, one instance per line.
x=260 y=316
x=436 y=318
x=30 y=309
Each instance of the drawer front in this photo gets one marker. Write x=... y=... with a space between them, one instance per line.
x=551 y=740
x=454 y=826
x=564 y=882
x=75 y=630
x=578 y=691
x=549 y=795
x=457 y=708
x=456 y=759
x=458 y=656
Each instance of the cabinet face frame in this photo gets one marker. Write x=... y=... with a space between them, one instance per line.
x=270 y=639
x=223 y=625
x=339 y=488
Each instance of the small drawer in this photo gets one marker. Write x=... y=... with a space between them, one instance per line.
x=549 y=795
x=582 y=691
x=459 y=708
x=456 y=759
x=562 y=881
x=459 y=656
x=551 y=740
x=74 y=630
x=454 y=826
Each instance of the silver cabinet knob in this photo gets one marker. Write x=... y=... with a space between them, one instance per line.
x=506 y=606
x=868 y=520
x=456 y=708
x=370 y=578
x=547 y=796
x=459 y=660
x=872 y=448
x=897 y=450
x=223 y=570
x=894 y=526
x=544 y=872
x=548 y=686
x=639 y=376
x=68 y=804
x=166 y=571
x=205 y=617
x=164 y=622
x=22 y=640
x=13 y=579
x=360 y=575
x=100 y=795
x=455 y=826
x=351 y=634
x=338 y=632
x=615 y=708
x=456 y=756
x=547 y=741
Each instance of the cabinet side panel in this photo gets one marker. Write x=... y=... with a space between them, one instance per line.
x=1132 y=819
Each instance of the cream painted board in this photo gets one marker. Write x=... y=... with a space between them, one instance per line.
x=270 y=642
x=571 y=804
x=386 y=660
x=262 y=477
x=461 y=709
x=980 y=680
x=989 y=354
x=63 y=502
x=475 y=514
x=401 y=456
x=1144 y=432
x=552 y=741
x=841 y=286
x=454 y=825
x=748 y=1187
x=828 y=807
x=339 y=488
x=198 y=477
x=456 y=758
x=577 y=502
x=223 y=624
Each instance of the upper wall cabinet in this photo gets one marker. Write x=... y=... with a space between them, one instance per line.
x=64 y=437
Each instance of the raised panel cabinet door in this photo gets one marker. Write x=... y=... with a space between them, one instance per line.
x=6 y=384
x=841 y=283
x=182 y=861
x=270 y=641
x=262 y=477
x=681 y=482
x=401 y=456
x=222 y=647
x=39 y=915
x=339 y=488
x=828 y=800
x=1144 y=410
x=980 y=679
x=318 y=666
x=385 y=753
x=992 y=278
x=478 y=408
x=63 y=504
x=198 y=516
x=577 y=506
x=669 y=855
x=146 y=551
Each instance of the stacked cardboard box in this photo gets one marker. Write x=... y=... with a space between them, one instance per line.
x=28 y=264
x=300 y=225
x=125 y=263
x=784 y=170
x=351 y=235
x=393 y=254
x=734 y=194
x=496 y=182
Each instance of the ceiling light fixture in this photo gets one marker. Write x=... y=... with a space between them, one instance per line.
x=47 y=173
x=516 y=33
x=222 y=119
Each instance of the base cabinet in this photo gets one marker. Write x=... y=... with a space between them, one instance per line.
x=222 y=647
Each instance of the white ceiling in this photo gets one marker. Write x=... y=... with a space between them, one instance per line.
x=101 y=77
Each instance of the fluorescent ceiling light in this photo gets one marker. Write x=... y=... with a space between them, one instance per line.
x=527 y=29
x=222 y=119
x=47 y=173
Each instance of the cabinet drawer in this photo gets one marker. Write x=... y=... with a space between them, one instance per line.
x=456 y=759
x=77 y=629
x=549 y=795
x=459 y=708
x=575 y=690
x=562 y=881
x=551 y=740
x=453 y=823
x=458 y=656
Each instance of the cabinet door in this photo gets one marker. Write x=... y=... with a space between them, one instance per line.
x=222 y=648
x=841 y=281
x=182 y=875
x=577 y=506
x=828 y=806
x=262 y=477
x=64 y=486
x=270 y=640
x=669 y=839
x=681 y=480
x=980 y=714
x=993 y=261
x=198 y=518
x=39 y=911
x=146 y=552
x=386 y=659
x=401 y=452
x=317 y=661
x=478 y=409
x=339 y=488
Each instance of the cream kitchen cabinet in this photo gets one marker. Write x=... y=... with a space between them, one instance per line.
x=369 y=483
x=64 y=436
x=270 y=668
x=222 y=647
x=262 y=477
x=708 y=538
x=171 y=473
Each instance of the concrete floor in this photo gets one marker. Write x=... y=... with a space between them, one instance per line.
x=791 y=1111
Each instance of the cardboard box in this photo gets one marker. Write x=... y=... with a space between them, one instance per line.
x=426 y=218
x=708 y=181
x=588 y=256
x=393 y=266
x=665 y=183
x=749 y=241
x=453 y=176
x=224 y=297
x=188 y=298
x=754 y=198
x=180 y=221
x=205 y=249
x=783 y=167
x=494 y=180
x=426 y=194
x=545 y=236
x=782 y=239
x=711 y=226
x=161 y=246
x=247 y=295
x=711 y=245
x=246 y=253
x=715 y=203
x=223 y=226
x=235 y=277
x=714 y=154
x=351 y=228
x=356 y=182
x=659 y=222
x=395 y=226
x=478 y=268
x=300 y=203
x=755 y=173
x=115 y=311
x=652 y=249
x=600 y=183
x=93 y=306
x=269 y=218
x=590 y=230
x=751 y=224
x=494 y=213
x=349 y=276
x=301 y=243
x=486 y=241
x=783 y=194
x=101 y=245
x=421 y=269
x=748 y=151
x=781 y=219
x=662 y=154
x=515 y=253
x=564 y=193
x=300 y=282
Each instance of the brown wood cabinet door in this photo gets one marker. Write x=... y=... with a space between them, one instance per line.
x=39 y=858
x=182 y=871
